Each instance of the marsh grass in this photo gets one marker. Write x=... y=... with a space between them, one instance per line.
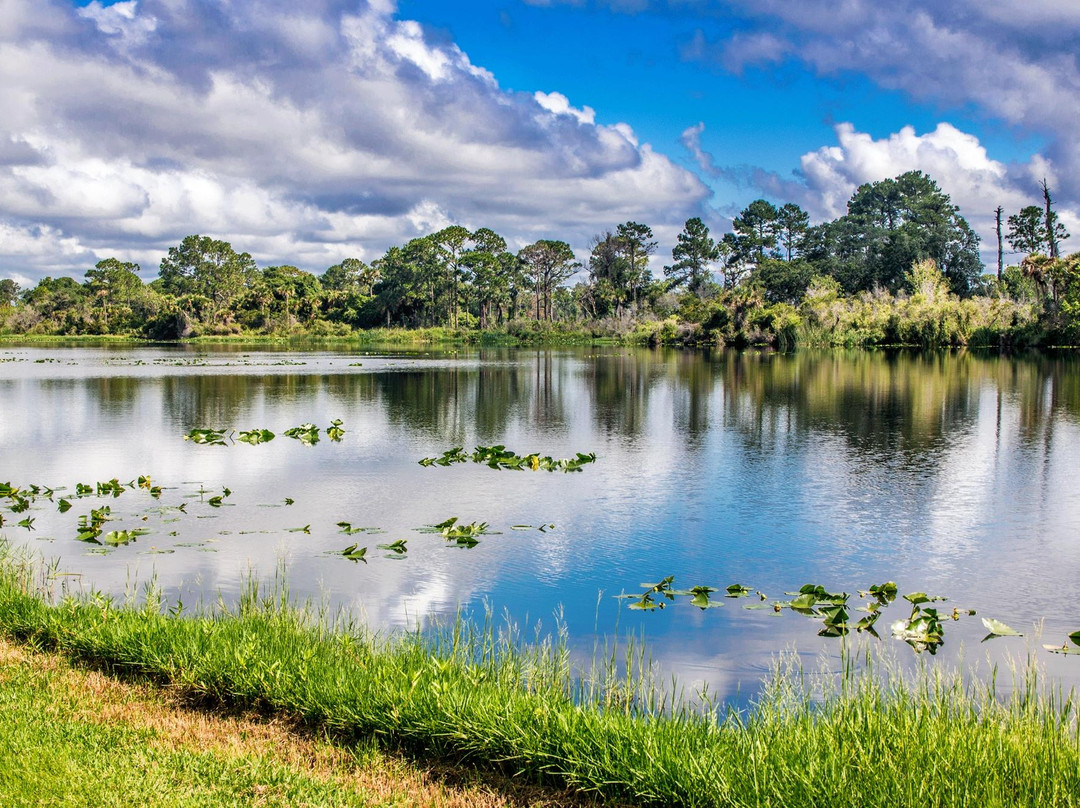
x=866 y=734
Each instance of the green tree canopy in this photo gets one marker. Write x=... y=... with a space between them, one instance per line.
x=113 y=284
x=694 y=254
x=208 y=267
x=9 y=292
x=894 y=223
x=548 y=263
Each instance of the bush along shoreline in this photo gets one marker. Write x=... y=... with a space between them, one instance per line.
x=865 y=735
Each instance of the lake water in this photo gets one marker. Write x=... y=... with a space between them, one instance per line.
x=949 y=473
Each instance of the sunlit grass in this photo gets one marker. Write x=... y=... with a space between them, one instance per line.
x=866 y=736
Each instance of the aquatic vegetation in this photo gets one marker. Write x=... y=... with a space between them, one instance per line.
x=353 y=553
x=120 y=538
x=1065 y=647
x=349 y=529
x=699 y=596
x=307 y=434
x=334 y=431
x=646 y=600
x=499 y=457
x=998 y=629
x=111 y=488
x=208 y=437
x=398 y=548
x=90 y=524
x=922 y=629
x=462 y=535
x=145 y=483
x=255 y=436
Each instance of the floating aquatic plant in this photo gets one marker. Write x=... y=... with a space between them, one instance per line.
x=353 y=553
x=255 y=436
x=499 y=457
x=998 y=629
x=1065 y=647
x=307 y=434
x=209 y=437
x=398 y=548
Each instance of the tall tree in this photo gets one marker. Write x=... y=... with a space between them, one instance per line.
x=351 y=275
x=9 y=292
x=548 y=263
x=693 y=254
x=897 y=222
x=610 y=272
x=490 y=284
x=1027 y=233
x=292 y=293
x=1001 y=252
x=208 y=267
x=792 y=223
x=636 y=244
x=405 y=292
x=113 y=283
x=1055 y=231
x=758 y=227
x=450 y=243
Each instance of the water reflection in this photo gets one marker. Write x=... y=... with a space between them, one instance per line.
x=950 y=471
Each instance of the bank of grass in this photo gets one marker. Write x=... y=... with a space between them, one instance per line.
x=489 y=701
x=73 y=736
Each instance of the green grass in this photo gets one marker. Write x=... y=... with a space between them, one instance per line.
x=868 y=739
x=57 y=749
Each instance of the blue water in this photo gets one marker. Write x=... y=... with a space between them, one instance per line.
x=949 y=473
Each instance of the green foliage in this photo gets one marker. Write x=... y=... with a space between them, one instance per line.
x=863 y=734
x=1026 y=233
x=209 y=268
x=453 y=282
x=891 y=225
x=499 y=457
x=693 y=255
x=547 y=264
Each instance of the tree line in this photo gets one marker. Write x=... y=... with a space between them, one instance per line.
x=462 y=279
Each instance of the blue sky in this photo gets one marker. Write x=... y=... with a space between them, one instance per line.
x=306 y=133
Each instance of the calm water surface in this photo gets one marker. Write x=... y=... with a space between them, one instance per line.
x=949 y=473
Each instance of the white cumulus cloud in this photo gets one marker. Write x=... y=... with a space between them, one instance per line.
x=302 y=133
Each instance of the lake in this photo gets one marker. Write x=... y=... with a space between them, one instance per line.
x=950 y=473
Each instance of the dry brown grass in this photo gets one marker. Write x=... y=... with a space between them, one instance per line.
x=174 y=725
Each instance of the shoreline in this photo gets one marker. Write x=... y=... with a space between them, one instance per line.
x=862 y=735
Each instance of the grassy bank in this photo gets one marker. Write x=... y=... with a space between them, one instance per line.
x=495 y=703
x=73 y=736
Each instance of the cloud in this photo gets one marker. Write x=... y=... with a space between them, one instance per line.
x=301 y=133
x=1014 y=61
x=956 y=160
x=691 y=139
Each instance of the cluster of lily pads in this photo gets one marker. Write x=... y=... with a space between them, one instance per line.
x=92 y=527
x=306 y=433
x=499 y=457
x=923 y=629
x=457 y=534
